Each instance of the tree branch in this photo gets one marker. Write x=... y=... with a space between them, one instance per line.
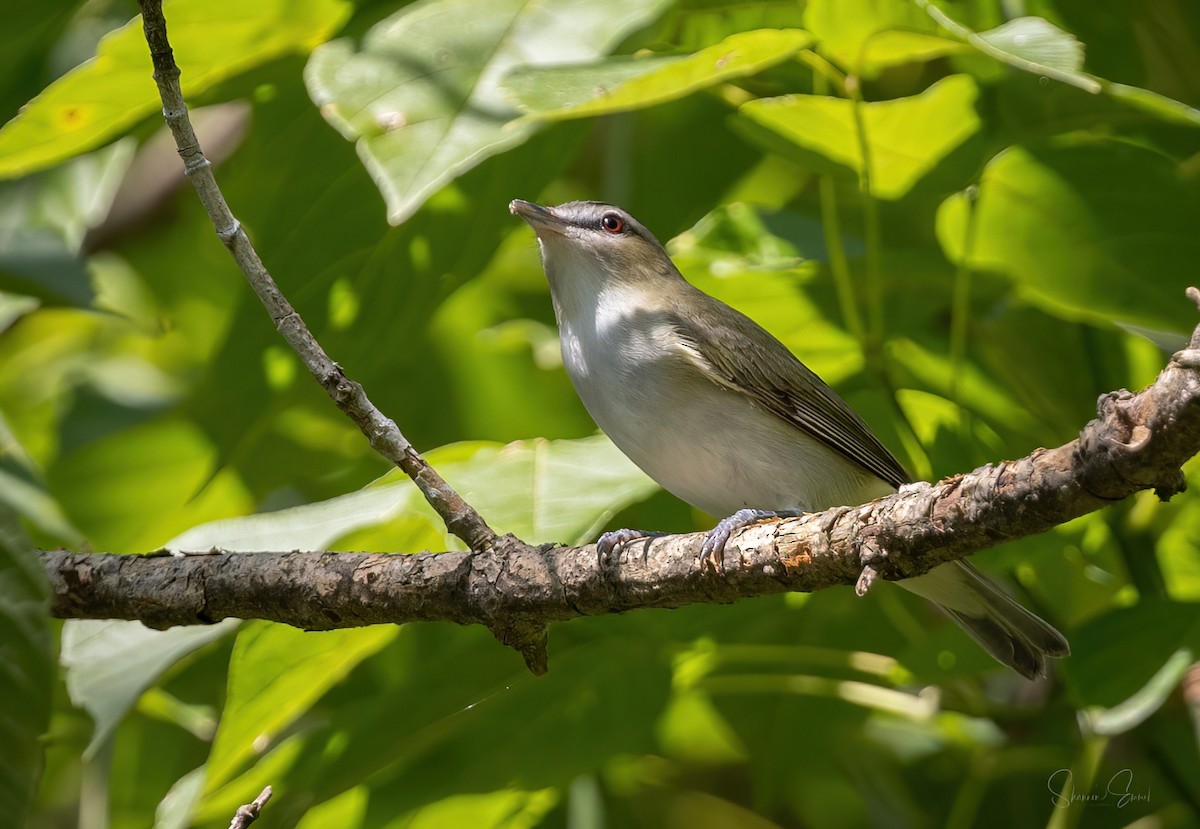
x=249 y=813
x=382 y=433
x=1137 y=442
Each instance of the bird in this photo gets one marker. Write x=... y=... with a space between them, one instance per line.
x=722 y=415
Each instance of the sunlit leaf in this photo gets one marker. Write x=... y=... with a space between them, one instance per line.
x=132 y=490
x=106 y=95
x=905 y=138
x=1038 y=41
x=175 y=809
x=108 y=664
x=421 y=94
x=275 y=674
x=539 y=490
x=619 y=84
x=1036 y=45
x=26 y=669
x=1098 y=230
x=846 y=30
x=347 y=810
x=504 y=809
x=895 y=47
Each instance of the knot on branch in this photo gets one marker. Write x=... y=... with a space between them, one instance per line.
x=341 y=388
x=509 y=578
x=528 y=638
x=1110 y=451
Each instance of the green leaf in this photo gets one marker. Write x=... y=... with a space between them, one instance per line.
x=1099 y=230
x=897 y=48
x=906 y=137
x=1035 y=45
x=108 y=664
x=1160 y=106
x=421 y=96
x=1037 y=41
x=275 y=674
x=1116 y=658
x=175 y=809
x=1132 y=712
x=623 y=84
x=110 y=93
x=600 y=699
x=26 y=669
x=132 y=490
x=540 y=490
x=503 y=809
x=29 y=32
x=22 y=490
x=347 y=811
x=847 y=30
x=44 y=219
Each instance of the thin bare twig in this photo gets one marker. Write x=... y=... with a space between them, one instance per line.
x=249 y=813
x=385 y=437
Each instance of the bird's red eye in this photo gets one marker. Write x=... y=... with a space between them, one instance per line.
x=612 y=223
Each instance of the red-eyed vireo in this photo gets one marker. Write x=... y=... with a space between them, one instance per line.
x=722 y=415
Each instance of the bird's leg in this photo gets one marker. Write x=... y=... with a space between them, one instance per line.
x=610 y=545
x=712 y=553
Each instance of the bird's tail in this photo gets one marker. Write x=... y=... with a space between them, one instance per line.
x=991 y=617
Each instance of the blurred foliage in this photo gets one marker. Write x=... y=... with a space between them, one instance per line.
x=971 y=216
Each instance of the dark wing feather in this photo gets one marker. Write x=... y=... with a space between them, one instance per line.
x=780 y=383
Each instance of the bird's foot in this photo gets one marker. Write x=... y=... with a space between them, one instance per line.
x=610 y=545
x=712 y=553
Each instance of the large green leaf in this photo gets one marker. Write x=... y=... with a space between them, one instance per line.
x=1036 y=45
x=275 y=674
x=104 y=96
x=560 y=490
x=905 y=138
x=29 y=31
x=503 y=809
x=109 y=664
x=26 y=669
x=1095 y=230
x=622 y=84
x=132 y=490
x=421 y=95
x=1115 y=658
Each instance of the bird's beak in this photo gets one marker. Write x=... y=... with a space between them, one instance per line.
x=539 y=218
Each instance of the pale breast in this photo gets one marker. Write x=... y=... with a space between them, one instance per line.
x=709 y=446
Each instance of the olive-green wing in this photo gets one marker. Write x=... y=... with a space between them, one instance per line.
x=735 y=352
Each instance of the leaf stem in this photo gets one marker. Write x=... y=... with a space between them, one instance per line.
x=839 y=265
x=960 y=303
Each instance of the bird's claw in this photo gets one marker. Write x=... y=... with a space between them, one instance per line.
x=610 y=545
x=712 y=552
